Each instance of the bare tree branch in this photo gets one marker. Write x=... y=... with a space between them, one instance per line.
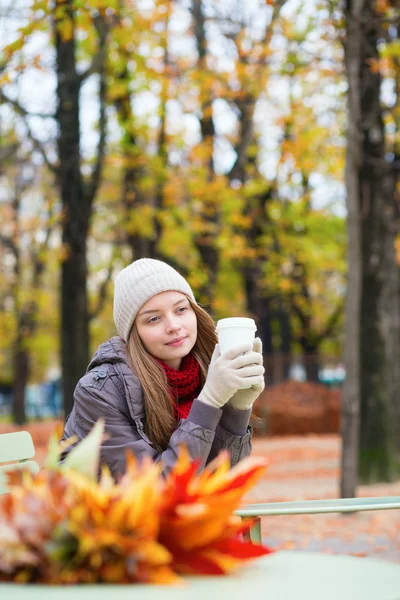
x=247 y=112
x=332 y=322
x=206 y=121
x=300 y=314
x=8 y=243
x=275 y=14
x=37 y=254
x=39 y=147
x=95 y=66
x=102 y=24
x=247 y=105
x=21 y=110
x=7 y=152
x=330 y=325
x=102 y=294
x=102 y=30
x=24 y=114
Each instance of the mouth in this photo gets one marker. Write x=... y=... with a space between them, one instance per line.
x=177 y=341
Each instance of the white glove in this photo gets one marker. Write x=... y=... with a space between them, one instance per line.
x=239 y=368
x=244 y=399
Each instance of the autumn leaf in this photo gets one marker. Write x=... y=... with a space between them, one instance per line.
x=197 y=522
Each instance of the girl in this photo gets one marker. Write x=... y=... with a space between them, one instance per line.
x=163 y=381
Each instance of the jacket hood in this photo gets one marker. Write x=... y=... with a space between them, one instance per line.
x=112 y=351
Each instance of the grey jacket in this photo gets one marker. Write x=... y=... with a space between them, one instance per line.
x=111 y=390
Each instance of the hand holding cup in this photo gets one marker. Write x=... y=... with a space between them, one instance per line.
x=243 y=399
x=237 y=369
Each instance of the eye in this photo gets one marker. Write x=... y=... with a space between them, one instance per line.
x=182 y=309
x=153 y=320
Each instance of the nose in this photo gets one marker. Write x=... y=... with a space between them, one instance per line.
x=172 y=324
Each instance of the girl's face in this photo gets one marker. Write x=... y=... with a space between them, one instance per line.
x=167 y=326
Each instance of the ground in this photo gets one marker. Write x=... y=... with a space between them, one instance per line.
x=305 y=467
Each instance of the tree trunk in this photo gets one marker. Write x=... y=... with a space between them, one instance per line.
x=312 y=363
x=286 y=339
x=77 y=195
x=391 y=299
x=379 y=324
x=378 y=337
x=132 y=197
x=307 y=338
x=21 y=375
x=205 y=241
x=259 y=307
x=27 y=321
x=74 y=318
x=310 y=350
x=372 y=336
x=351 y=391
x=20 y=357
x=389 y=311
x=76 y=211
x=26 y=312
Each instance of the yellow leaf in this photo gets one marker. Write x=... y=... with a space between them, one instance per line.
x=66 y=29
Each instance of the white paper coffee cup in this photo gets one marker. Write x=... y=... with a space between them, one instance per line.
x=235 y=331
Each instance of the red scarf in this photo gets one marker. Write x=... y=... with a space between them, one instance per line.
x=184 y=384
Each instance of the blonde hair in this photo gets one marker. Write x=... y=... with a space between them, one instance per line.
x=160 y=419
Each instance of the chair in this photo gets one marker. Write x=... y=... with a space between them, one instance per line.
x=15 y=450
x=303 y=507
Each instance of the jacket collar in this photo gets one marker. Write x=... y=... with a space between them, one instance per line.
x=112 y=352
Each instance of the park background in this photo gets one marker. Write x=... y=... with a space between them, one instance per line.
x=255 y=147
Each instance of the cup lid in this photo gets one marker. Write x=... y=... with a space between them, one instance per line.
x=236 y=322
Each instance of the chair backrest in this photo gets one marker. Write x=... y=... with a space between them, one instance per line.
x=308 y=507
x=15 y=450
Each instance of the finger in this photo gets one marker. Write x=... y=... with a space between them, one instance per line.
x=252 y=358
x=251 y=371
x=257 y=345
x=254 y=382
x=237 y=351
x=260 y=386
x=244 y=384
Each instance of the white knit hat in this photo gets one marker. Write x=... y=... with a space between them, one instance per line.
x=137 y=283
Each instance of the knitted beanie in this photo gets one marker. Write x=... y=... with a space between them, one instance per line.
x=137 y=283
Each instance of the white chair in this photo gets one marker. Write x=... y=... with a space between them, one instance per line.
x=309 y=507
x=15 y=451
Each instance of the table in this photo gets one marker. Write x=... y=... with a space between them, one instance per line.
x=281 y=576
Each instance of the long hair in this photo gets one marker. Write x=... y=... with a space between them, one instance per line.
x=160 y=418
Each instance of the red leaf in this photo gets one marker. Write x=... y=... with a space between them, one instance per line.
x=240 y=549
